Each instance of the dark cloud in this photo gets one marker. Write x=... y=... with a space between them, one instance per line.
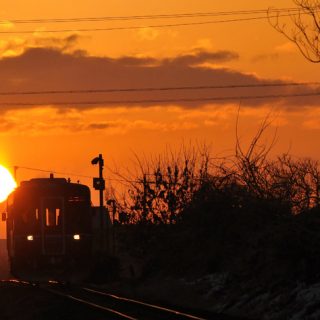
x=64 y=44
x=100 y=126
x=202 y=57
x=49 y=69
x=15 y=47
x=134 y=61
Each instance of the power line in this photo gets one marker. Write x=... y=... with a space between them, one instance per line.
x=149 y=17
x=146 y=89
x=123 y=180
x=74 y=174
x=52 y=171
x=153 y=101
x=147 y=26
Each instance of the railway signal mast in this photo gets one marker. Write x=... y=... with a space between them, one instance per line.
x=99 y=184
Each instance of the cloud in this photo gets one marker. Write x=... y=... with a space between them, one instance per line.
x=204 y=44
x=17 y=46
x=147 y=33
x=202 y=57
x=263 y=57
x=99 y=126
x=137 y=61
x=6 y=126
x=109 y=122
x=190 y=59
x=287 y=47
x=6 y=24
x=123 y=126
x=283 y=50
x=54 y=67
x=311 y=120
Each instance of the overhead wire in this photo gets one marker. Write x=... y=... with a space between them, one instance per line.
x=198 y=23
x=149 y=17
x=146 y=89
x=52 y=171
x=123 y=180
x=68 y=174
x=173 y=100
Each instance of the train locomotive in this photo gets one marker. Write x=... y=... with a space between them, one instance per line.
x=50 y=228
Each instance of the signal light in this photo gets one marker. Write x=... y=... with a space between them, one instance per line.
x=30 y=238
x=76 y=236
x=99 y=184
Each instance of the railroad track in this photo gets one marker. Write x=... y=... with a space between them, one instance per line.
x=115 y=306
x=97 y=304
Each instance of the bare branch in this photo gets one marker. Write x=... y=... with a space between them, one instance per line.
x=305 y=33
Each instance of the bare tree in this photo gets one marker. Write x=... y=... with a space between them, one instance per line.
x=252 y=166
x=164 y=185
x=303 y=29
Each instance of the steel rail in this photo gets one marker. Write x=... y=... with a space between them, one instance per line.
x=168 y=310
x=77 y=296
x=43 y=285
x=90 y=304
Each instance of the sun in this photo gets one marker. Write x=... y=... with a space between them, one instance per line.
x=7 y=183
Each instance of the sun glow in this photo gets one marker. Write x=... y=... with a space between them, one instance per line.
x=7 y=183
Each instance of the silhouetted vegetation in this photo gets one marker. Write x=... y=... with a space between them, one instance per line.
x=190 y=214
x=165 y=187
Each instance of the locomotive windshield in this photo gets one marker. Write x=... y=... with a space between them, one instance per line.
x=26 y=215
x=52 y=208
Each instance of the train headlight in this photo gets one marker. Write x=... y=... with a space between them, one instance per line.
x=30 y=238
x=76 y=236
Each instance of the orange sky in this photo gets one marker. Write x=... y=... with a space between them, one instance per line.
x=55 y=136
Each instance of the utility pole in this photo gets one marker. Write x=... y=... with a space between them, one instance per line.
x=99 y=184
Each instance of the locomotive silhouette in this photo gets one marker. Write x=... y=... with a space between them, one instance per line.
x=53 y=229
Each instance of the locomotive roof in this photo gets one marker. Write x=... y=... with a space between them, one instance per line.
x=43 y=182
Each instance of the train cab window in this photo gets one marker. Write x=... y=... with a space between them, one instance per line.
x=53 y=217
x=52 y=212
